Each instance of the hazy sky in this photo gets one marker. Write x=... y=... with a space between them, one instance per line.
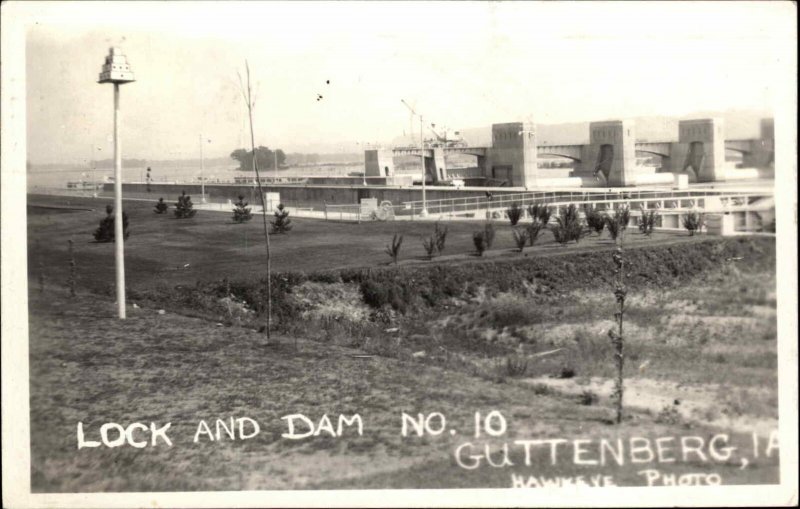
x=463 y=65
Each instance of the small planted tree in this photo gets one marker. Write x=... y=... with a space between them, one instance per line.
x=441 y=236
x=594 y=220
x=281 y=223
x=520 y=238
x=429 y=244
x=617 y=223
x=479 y=240
x=568 y=226
x=105 y=232
x=241 y=212
x=623 y=215
x=161 y=207
x=693 y=221
x=184 y=208
x=488 y=235
x=647 y=221
x=393 y=249
x=540 y=212
x=532 y=231
x=617 y=341
x=514 y=213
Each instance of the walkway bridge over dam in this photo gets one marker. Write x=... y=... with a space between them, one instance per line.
x=608 y=159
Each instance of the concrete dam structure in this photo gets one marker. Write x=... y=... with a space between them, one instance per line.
x=697 y=153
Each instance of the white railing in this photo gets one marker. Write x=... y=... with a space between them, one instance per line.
x=474 y=204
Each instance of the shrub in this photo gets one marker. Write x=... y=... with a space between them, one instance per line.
x=281 y=223
x=533 y=229
x=540 y=212
x=514 y=213
x=393 y=249
x=441 y=236
x=161 y=207
x=105 y=232
x=479 y=239
x=647 y=221
x=514 y=366
x=566 y=372
x=693 y=221
x=429 y=243
x=613 y=227
x=520 y=238
x=624 y=215
x=184 y=208
x=241 y=212
x=488 y=235
x=594 y=220
x=587 y=398
x=568 y=226
x=378 y=294
x=618 y=222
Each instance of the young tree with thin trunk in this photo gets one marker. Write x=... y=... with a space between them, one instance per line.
x=247 y=95
x=617 y=341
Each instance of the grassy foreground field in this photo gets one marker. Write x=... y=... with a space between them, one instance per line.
x=701 y=363
x=88 y=367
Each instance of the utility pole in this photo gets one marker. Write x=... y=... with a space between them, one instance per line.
x=94 y=182
x=202 y=171
x=424 y=211
x=275 y=157
x=116 y=70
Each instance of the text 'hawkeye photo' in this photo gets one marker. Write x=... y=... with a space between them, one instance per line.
x=302 y=247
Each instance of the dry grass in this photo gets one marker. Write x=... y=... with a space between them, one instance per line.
x=87 y=366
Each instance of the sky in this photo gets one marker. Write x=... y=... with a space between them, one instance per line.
x=462 y=64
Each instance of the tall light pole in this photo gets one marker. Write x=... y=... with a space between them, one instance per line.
x=424 y=211
x=116 y=70
x=275 y=157
x=94 y=180
x=202 y=171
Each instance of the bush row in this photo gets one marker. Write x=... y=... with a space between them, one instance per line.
x=408 y=288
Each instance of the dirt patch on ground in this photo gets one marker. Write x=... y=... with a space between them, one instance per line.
x=709 y=404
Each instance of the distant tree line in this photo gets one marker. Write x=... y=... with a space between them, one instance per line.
x=264 y=157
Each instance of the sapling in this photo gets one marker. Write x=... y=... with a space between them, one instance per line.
x=478 y=238
x=160 y=207
x=540 y=212
x=488 y=235
x=429 y=244
x=241 y=212
x=647 y=221
x=617 y=341
x=184 y=208
x=520 y=238
x=568 y=226
x=533 y=229
x=594 y=220
x=281 y=223
x=247 y=95
x=617 y=223
x=441 y=236
x=393 y=249
x=106 y=231
x=693 y=221
x=514 y=213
